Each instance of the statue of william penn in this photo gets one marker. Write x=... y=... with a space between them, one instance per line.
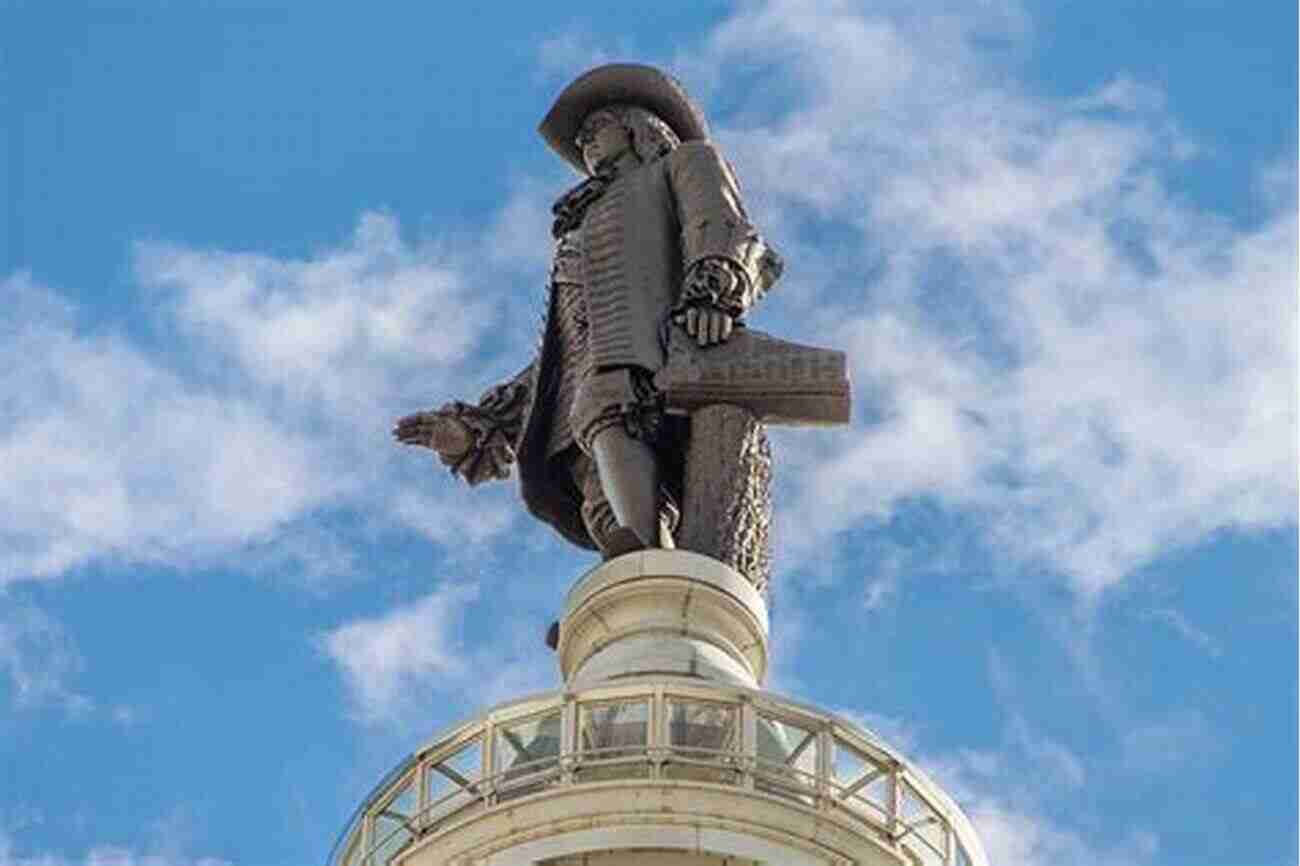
x=654 y=257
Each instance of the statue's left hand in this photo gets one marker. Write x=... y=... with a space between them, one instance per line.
x=713 y=294
x=708 y=325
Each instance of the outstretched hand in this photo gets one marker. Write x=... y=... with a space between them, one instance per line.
x=440 y=430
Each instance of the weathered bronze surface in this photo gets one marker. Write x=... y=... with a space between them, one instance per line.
x=640 y=421
x=779 y=381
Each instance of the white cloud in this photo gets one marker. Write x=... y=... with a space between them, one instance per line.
x=570 y=53
x=1166 y=744
x=385 y=660
x=1021 y=823
x=39 y=660
x=1049 y=336
x=1034 y=799
x=101 y=855
x=398 y=664
x=1029 y=839
x=880 y=589
x=888 y=565
x=108 y=454
x=1123 y=94
x=345 y=342
x=1014 y=797
x=1057 y=765
x=1185 y=629
x=1053 y=337
x=898 y=733
x=275 y=409
x=169 y=841
x=518 y=239
x=107 y=855
x=349 y=328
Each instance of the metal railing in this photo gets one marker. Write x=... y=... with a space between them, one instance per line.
x=739 y=739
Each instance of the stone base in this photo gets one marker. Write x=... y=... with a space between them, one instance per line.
x=663 y=612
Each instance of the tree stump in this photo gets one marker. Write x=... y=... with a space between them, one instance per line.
x=727 y=512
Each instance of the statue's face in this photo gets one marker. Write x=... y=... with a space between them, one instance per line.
x=603 y=139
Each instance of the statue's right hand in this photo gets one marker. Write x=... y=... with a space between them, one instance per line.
x=440 y=430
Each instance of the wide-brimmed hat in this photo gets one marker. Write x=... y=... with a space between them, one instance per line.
x=613 y=83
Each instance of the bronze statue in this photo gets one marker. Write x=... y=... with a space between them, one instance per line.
x=648 y=394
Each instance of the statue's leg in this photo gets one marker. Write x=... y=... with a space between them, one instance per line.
x=629 y=475
x=597 y=515
x=615 y=419
x=599 y=519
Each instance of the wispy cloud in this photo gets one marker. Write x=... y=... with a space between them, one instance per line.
x=1017 y=811
x=1057 y=767
x=388 y=659
x=569 y=53
x=898 y=733
x=40 y=664
x=39 y=660
x=275 y=409
x=880 y=587
x=1164 y=745
x=347 y=328
x=1036 y=798
x=1035 y=839
x=1045 y=331
x=101 y=855
x=1014 y=796
x=107 y=453
x=399 y=664
x=1185 y=629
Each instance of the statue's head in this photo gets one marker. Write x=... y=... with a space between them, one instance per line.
x=650 y=106
x=609 y=131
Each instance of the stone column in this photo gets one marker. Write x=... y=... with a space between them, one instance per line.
x=663 y=612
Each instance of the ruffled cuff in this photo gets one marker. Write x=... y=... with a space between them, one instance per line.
x=491 y=453
x=494 y=425
x=719 y=283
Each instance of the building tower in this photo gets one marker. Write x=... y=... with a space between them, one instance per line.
x=661 y=749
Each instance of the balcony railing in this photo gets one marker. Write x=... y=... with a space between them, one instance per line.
x=659 y=730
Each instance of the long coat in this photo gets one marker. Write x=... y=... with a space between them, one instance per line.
x=638 y=239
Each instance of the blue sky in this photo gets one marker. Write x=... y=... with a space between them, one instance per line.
x=1053 y=559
